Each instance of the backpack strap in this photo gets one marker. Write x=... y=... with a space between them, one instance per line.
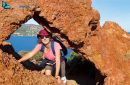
x=52 y=47
x=42 y=48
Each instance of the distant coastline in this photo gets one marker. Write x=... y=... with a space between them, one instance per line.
x=27 y=30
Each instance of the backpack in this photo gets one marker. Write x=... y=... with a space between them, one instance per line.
x=63 y=50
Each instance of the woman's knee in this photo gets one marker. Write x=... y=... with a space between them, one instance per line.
x=48 y=72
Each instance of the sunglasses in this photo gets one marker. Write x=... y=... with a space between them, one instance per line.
x=42 y=37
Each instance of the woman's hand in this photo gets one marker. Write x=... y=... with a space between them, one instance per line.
x=58 y=79
x=19 y=61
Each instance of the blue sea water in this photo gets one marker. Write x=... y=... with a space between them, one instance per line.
x=23 y=43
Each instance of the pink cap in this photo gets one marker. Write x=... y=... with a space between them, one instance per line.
x=43 y=32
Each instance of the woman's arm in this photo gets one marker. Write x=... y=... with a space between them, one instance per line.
x=58 y=55
x=29 y=54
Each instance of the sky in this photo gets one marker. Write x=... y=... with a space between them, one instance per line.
x=114 y=10
x=31 y=21
x=110 y=10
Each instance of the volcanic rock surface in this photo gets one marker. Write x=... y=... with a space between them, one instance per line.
x=108 y=47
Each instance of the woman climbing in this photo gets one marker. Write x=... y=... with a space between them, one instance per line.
x=50 y=61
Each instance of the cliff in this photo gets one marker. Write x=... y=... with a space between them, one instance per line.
x=107 y=47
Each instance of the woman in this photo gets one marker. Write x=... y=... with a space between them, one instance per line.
x=45 y=38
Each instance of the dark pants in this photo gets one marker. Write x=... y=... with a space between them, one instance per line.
x=62 y=69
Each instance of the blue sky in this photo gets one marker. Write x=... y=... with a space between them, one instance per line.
x=31 y=21
x=114 y=10
x=111 y=10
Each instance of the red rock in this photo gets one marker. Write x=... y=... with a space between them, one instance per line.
x=106 y=47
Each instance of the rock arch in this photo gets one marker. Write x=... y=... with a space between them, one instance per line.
x=80 y=23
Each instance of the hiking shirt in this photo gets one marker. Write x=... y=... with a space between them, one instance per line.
x=49 y=54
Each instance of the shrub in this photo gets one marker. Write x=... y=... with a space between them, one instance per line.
x=37 y=57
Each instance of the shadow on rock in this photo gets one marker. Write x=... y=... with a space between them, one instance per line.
x=27 y=64
x=84 y=72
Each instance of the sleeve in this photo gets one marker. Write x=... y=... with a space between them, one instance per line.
x=57 y=46
x=38 y=47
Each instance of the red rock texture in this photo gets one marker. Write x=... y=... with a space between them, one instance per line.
x=13 y=73
x=107 y=47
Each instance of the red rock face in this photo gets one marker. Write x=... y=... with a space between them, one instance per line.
x=107 y=47
x=109 y=51
x=13 y=73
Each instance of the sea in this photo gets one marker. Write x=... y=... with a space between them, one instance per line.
x=23 y=43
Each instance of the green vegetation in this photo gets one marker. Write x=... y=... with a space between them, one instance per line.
x=73 y=56
x=37 y=57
